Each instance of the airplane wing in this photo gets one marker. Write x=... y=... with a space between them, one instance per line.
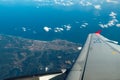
x=98 y=60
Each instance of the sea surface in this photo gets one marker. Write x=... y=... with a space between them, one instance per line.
x=28 y=21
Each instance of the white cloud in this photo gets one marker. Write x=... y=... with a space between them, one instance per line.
x=98 y=7
x=118 y=25
x=55 y=2
x=24 y=29
x=84 y=25
x=39 y=3
x=103 y=25
x=46 y=69
x=67 y=27
x=57 y=29
x=85 y=3
x=88 y=3
x=60 y=2
x=47 y=29
x=112 y=1
x=113 y=14
x=79 y=48
x=112 y=22
x=64 y=2
x=63 y=28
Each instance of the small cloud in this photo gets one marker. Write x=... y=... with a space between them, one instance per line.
x=79 y=48
x=88 y=3
x=109 y=24
x=113 y=14
x=67 y=27
x=64 y=2
x=84 y=25
x=84 y=3
x=112 y=22
x=24 y=29
x=98 y=7
x=118 y=25
x=112 y=1
x=46 y=69
x=57 y=29
x=103 y=25
x=47 y=29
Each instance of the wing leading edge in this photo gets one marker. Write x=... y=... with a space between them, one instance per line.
x=99 y=60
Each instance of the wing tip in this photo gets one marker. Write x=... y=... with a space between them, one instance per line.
x=98 y=32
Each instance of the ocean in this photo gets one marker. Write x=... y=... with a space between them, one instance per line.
x=29 y=22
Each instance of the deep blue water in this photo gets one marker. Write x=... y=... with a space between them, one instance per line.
x=13 y=18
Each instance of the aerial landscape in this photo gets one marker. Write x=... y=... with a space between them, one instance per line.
x=25 y=57
x=37 y=36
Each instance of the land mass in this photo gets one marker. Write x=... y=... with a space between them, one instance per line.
x=22 y=57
